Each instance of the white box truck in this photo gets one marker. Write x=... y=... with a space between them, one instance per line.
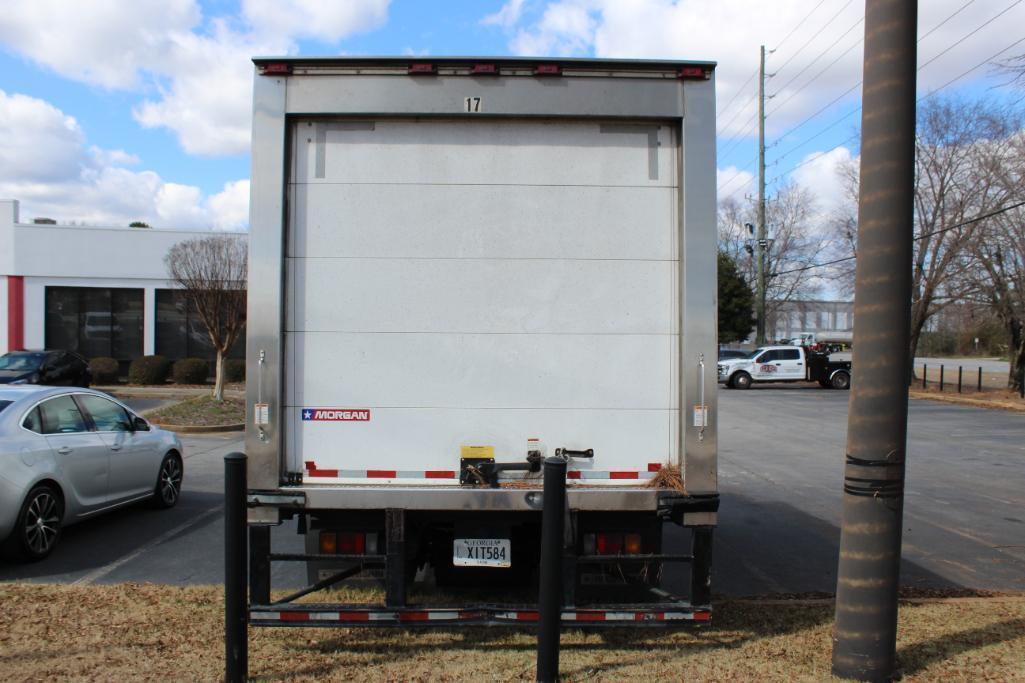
x=458 y=267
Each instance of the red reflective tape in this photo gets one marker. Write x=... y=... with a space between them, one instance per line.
x=702 y=616
x=414 y=616
x=353 y=616
x=526 y=616
x=590 y=616
x=381 y=474
x=311 y=469
x=654 y=466
x=573 y=474
x=294 y=616
x=623 y=475
x=440 y=474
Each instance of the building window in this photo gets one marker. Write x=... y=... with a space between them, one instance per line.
x=95 y=321
x=181 y=333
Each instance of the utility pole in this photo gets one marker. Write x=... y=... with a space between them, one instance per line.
x=865 y=634
x=760 y=242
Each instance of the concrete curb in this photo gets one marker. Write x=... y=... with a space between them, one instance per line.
x=199 y=429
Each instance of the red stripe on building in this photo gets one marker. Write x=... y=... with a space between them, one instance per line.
x=654 y=466
x=311 y=469
x=294 y=616
x=440 y=474
x=381 y=474
x=623 y=475
x=590 y=616
x=573 y=474
x=353 y=616
x=15 y=312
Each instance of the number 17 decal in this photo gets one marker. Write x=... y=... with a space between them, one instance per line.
x=473 y=105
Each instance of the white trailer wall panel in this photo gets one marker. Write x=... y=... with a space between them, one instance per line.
x=482 y=283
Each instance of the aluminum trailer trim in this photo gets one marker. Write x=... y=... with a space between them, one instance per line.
x=626 y=91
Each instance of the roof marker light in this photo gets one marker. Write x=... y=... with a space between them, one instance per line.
x=422 y=68
x=695 y=72
x=547 y=70
x=484 y=70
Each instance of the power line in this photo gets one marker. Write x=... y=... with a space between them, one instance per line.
x=971 y=33
x=737 y=113
x=814 y=36
x=933 y=29
x=852 y=112
x=997 y=212
x=816 y=76
x=737 y=94
x=799 y=25
x=738 y=138
x=821 y=55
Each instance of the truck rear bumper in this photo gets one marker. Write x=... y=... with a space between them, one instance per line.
x=584 y=499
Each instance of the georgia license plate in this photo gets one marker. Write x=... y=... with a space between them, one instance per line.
x=481 y=552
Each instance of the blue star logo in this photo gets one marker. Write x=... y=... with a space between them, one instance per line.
x=307 y=414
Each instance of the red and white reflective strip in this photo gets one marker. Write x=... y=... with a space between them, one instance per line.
x=370 y=615
x=313 y=471
x=584 y=616
x=365 y=616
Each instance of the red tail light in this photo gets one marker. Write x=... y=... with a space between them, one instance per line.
x=352 y=543
x=609 y=544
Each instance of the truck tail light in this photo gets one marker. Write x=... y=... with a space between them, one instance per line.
x=348 y=543
x=611 y=543
x=328 y=543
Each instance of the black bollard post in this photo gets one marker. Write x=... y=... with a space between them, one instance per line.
x=236 y=640
x=925 y=373
x=941 y=378
x=1021 y=382
x=959 y=371
x=978 y=387
x=549 y=601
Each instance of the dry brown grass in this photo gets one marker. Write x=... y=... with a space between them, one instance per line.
x=668 y=477
x=147 y=632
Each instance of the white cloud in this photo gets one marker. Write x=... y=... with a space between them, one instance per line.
x=327 y=21
x=733 y=182
x=819 y=173
x=46 y=163
x=565 y=29
x=731 y=32
x=197 y=73
x=508 y=15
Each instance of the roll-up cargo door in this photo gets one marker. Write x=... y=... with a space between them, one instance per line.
x=481 y=283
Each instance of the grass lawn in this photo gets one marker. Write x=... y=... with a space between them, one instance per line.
x=135 y=632
x=202 y=410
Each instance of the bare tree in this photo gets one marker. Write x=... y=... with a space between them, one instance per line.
x=1000 y=252
x=795 y=244
x=956 y=182
x=212 y=274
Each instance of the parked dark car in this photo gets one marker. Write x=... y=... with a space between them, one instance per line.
x=55 y=368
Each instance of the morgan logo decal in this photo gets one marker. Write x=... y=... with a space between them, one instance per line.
x=336 y=415
x=768 y=368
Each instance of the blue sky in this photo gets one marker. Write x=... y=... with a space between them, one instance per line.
x=113 y=110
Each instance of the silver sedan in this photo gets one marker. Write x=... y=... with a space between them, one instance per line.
x=69 y=454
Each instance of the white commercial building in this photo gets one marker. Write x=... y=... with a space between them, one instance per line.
x=97 y=290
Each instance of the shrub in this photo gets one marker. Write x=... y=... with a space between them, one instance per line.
x=104 y=370
x=190 y=371
x=149 y=370
x=234 y=370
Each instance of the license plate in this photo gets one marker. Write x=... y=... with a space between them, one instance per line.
x=481 y=552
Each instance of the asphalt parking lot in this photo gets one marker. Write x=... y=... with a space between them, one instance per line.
x=781 y=461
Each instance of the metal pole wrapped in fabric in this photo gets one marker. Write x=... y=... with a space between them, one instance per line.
x=236 y=640
x=865 y=633
x=550 y=591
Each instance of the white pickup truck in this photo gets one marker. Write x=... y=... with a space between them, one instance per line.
x=784 y=364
